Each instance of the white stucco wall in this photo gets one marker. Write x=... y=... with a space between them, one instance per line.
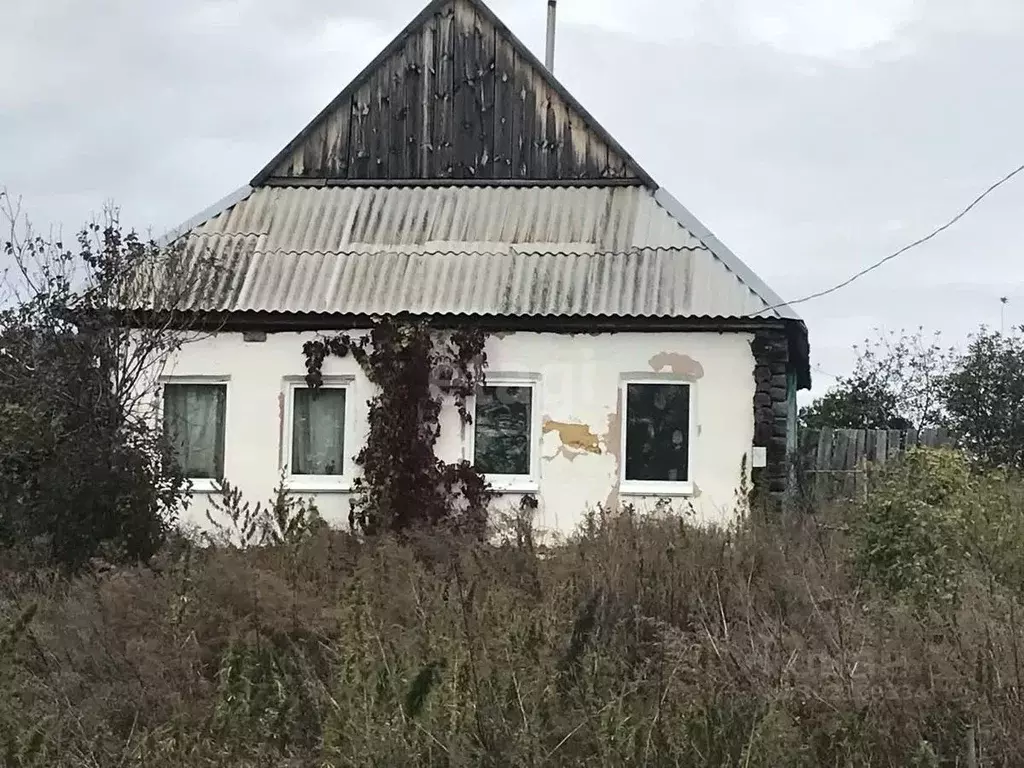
x=578 y=399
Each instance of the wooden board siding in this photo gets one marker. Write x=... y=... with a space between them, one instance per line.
x=455 y=96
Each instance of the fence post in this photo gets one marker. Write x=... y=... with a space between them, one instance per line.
x=972 y=747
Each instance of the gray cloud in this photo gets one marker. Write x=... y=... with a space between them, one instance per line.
x=813 y=139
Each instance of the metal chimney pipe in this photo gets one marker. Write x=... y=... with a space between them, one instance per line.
x=549 y=59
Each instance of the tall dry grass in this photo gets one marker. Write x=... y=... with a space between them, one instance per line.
x=641 y=642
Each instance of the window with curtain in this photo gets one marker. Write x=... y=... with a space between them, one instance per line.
x=658 y=432
x=194 y=422
x=318 y=431
x=504 y=427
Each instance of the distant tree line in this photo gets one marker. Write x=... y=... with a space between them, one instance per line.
x=911 y=381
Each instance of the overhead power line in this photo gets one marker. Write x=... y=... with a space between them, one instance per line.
x=934 y=233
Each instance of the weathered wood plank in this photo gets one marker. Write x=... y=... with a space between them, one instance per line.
x=539 y=145
x=849 y=443
x=337 y=157
x=841 y=462
x=910 y=439
x=555 y=134
x=311 y=152
x=574 y=146
x=383 y=120
x=861 y=462
x=522 y=119
x=505 y=98
x=398 y=115
x=882 y=446
x=823 y=461
x=534 y=126
x=485 y=96
x=361 y=135
x=443 y=165
x=466 y=124
x=413 y=106
x=424 y=120
x=597 y=157
x=616 y=165
x=895 y=443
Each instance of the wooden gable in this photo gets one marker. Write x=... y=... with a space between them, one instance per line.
x=454 y=97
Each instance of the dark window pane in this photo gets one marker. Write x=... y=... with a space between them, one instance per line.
x=194 y=422
x=657 y=432
x=318 y=432
x=503 y=430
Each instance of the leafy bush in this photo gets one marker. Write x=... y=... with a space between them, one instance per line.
x=910 y=536
x=234 y=521
x=83 y=471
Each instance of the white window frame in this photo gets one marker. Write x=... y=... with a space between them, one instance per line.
x=660 y=488
x=318 y=483
x=512 y=484
x=200 y=484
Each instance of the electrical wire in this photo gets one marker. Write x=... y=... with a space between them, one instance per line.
x=921 y=241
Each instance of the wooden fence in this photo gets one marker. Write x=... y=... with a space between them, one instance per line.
x=835 y=463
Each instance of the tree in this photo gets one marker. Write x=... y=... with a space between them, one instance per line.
x=855 y=402
x=897 y=383
x=984 y=398
x=84 y=467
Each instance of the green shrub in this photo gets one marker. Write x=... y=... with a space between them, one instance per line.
x=909 y=536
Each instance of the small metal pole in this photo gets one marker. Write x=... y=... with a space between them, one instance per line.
x=549 y=58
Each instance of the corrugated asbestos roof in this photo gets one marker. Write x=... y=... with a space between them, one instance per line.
x=477 y=250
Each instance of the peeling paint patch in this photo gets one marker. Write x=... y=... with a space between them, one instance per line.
x=613 y=444
x=613 y=437
x=565 y=453
x=577 y=437
x=681 y=365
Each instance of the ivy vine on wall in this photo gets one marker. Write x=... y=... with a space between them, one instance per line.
x=415 y=369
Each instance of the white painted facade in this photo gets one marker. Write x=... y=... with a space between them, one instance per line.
x=578 y=416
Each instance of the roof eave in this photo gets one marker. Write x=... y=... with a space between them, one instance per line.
x=204 y=216
x=775 y=304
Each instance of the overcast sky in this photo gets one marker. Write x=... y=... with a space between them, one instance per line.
x=812 y=136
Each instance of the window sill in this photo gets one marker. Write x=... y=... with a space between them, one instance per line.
x=658 y=489
x=513 y=485
x=203 y=485
x=318 y=484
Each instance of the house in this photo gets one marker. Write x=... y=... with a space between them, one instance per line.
x=632 y=356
